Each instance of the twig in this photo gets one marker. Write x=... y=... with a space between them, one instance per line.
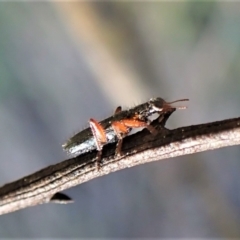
x=44 y=186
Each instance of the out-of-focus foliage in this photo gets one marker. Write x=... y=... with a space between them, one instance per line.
x=63 y=63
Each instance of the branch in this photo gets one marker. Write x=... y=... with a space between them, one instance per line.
x=44 y=186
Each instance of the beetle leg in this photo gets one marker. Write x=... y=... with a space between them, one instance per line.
x=118 y=110
x=100 y=138
x=138 y=123
x=121 y=131
x=123 y=127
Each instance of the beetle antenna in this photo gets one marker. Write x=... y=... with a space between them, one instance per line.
x=180 y=100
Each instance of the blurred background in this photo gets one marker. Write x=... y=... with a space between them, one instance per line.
x=63 y=63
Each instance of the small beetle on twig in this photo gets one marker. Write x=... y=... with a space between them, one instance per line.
x=116 y=127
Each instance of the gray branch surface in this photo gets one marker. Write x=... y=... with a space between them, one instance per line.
x=45 y=185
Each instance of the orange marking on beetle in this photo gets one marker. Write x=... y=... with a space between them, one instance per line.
x=120 y=129
x=134 y=123
x=98 y=133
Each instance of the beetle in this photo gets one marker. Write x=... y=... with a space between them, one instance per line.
x=117 y=126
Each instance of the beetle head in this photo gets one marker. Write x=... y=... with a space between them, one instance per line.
x=157 y=105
